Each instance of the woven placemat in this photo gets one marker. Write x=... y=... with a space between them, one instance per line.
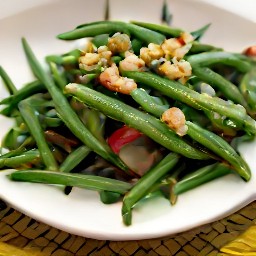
x=21 y=231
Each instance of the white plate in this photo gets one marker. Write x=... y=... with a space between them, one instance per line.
x=81 y=212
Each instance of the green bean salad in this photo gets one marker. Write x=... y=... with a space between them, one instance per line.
x=140 y=110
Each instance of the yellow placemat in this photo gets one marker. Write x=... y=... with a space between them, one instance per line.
x=244 y=245
x=217 y=238
x=10 y=250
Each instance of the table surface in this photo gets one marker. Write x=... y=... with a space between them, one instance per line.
x=36 y=238
x=218 y=238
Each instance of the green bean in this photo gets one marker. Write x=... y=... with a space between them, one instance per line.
x=100 y=40
x=244 y=57
x=145 y=183
x=197 y=34
x=147 y=102
x=47 y=121
x=208 y=139
x=166 y=16
x=74 y=158
x=143 y=122
x=219 y=147
x=194 y=115
x=247 y=87
x=106 y=14
x=68 y=116
x=27 y=143
x=116 y=59
x=51 y=113
x=201 y=176
x=224 y=126
x=21 y=94
x=136 y=46
x=11 y=140
x=69 y=60
x=30 y=117
x=163 y=29
x=7 y=81
x=199 y=48
x=93 y=120
x=170 y=31
x=210 y=58
x=92 y=23
x=96 y=123
x=229 y=90
x=12 y=153
x=95 y=69
x=86 y=79
x=30 y=90
x=176 y=91
x=166 y=185
x=59 y=78
x=109 y=27
x=146 y=35
x=108 y=197
x=40 y=102
x=18 y=160
x=57 y=59
x=71 y=179
x=65 y=59
x=9 y=111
